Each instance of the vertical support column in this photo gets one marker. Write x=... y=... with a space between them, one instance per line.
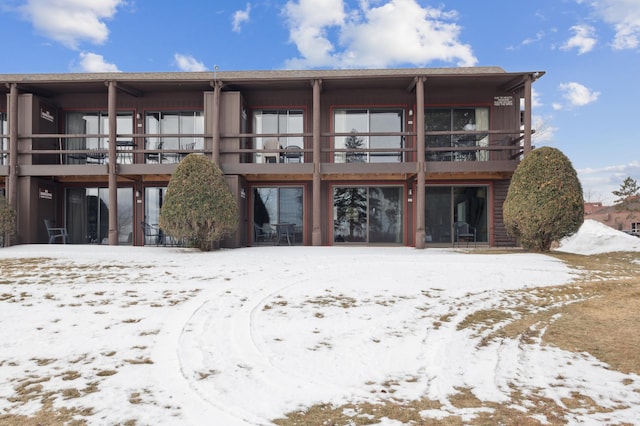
x=316 y=232
x=12 y=193
x=527 y=115
x=419 y=196
x=215 y=123
x=112 y=166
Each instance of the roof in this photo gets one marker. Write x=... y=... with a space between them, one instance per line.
x=201 y=80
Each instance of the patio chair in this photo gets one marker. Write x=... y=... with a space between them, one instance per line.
x=464 y=232
x=292 y=154
x=272 y=157
x=56 y=232
x=152 y=232
x=262 y=233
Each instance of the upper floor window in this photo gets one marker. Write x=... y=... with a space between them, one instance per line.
x=278 y=122
x=4 y=142
x=170 y=126
x=385 y=148
x=468 y=120
x=93 y=124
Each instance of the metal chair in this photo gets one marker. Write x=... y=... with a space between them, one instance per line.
x=55 y=233
x=262 y=233
x=152 y=232
x=293 y=154
x=464 y=232
x=285 y=231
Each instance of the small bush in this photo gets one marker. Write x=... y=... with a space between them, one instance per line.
x=7 y=222
x=545 y=201
x=199 y=206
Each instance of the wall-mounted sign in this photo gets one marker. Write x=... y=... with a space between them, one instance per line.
x=45 y=114
x=45 y=194
x=500 y=101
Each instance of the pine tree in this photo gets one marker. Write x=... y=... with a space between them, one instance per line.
x=628 y=190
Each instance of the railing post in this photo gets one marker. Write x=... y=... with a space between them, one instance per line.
x=112 y=167
x=316 y=232
x=419 y=196
x=527 y=115
x=215 y=122
x=12 y=197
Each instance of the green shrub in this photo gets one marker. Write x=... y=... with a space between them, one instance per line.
x=545 y=201
x=7 y=222
x=199 y=206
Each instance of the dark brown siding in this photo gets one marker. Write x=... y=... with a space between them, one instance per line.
x=501 y=239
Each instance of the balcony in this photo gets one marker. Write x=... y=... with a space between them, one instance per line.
x=247 y=154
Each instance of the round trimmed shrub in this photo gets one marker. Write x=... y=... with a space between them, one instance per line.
x=545 y=201
x=199 y=206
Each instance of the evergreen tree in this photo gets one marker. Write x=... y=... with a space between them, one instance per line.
x=545 y=201
x=354 y=142
x=199 y=206
x=629 y=189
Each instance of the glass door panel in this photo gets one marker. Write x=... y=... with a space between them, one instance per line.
x=368 y=214
x=446 y=205
x=349 y=214
x=438 y=217
x=385 y=215
x=386 y=121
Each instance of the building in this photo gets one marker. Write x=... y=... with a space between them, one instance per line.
x=624 y=218
x=394 y=156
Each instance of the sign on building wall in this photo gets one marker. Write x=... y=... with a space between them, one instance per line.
x=45 y=114
x=45 y=194
x=502 y=101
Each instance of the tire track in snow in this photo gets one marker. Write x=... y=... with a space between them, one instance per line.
x=235 y=357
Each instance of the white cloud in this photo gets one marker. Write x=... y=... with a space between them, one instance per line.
x=92 y=62
x=599 y=183
x=71 y=22
x=583 y=39
x=390 y=33
x=188 y=63
x=545 y=132
x=240 y=17
x=624 y=16
x=577 y=94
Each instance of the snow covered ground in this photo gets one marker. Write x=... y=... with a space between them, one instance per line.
x=241 y=337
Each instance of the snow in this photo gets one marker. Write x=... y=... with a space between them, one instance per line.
x=241 y=337
x=595 y=238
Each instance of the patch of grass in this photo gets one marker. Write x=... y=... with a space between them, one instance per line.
x=139 y=361
x=49 y=416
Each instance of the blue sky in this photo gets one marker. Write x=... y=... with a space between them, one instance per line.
x=590 y=50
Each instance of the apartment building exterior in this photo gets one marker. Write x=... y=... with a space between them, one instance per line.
x=392 y=157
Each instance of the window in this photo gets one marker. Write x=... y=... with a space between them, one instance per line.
x=367 y=214
x=357 y=121
x=4 y=142
x=278 y=205
x=280 y=122
x=635 y=228
x=446 y=205
x=189 y=123
x=97 y=123
x=456 y=119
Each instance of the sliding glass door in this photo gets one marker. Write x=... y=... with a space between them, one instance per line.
x=87 y=215
x=447 y=205
x=367 y=214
